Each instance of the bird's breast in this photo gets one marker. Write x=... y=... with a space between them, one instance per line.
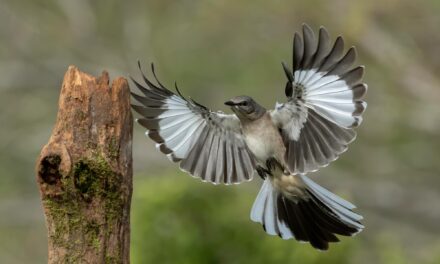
x=263 y=139
x=259 y=147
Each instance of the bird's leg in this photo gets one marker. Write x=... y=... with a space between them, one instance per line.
x=262 y=172
x=272 y=164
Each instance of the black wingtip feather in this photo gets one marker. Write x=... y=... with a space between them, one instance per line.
x=148 y=82
x=359 y=91
x=154 y=135
x=298 y=51
x=309 y=46
x=354 y=76
x=288 y=72
x=155 y=77
x=177 y=90
x=199 y=104
x=164 y=149
x=344 y=64
x=139 y=109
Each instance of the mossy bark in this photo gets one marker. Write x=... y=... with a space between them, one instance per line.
x=85 y=172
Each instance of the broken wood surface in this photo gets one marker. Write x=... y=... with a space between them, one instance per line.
x=84 y=173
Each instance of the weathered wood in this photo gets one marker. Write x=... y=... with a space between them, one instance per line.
x=84 y=173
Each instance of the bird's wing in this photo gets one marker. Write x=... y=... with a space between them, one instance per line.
x=324 y=101
x=208 y=145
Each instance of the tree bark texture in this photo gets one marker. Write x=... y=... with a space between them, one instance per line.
x=84 y=173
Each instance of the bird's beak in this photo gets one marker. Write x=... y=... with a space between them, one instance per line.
x=230 y=103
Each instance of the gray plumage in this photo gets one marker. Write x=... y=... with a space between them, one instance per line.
x=311 y=129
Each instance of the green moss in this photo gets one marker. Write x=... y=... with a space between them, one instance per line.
x=95 y=177
x=113 y=147
x=67 y=221
x=92 y=230
x=85 y=179
x=92 y=180
x=111 y=260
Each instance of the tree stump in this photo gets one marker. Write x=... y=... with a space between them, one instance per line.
x=84 y=173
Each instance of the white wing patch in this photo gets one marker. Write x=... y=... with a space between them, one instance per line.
x=324 y=101
x=290 y=118
x=208 y=145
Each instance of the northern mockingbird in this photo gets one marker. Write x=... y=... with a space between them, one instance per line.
x=310 y=130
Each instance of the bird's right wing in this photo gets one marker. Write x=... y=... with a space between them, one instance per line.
x=208 y=145
x=324 y=101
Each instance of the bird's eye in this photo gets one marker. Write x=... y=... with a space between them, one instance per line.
x=244 y=103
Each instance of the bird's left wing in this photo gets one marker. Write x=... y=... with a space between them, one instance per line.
x=208 y=145
x=324 y=101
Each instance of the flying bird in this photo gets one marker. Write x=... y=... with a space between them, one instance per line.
x=305 y=133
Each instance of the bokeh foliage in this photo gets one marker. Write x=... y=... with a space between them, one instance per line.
x=200 y=223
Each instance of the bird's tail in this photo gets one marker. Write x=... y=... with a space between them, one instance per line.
x=315 y=217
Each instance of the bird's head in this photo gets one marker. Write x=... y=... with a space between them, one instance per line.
x=246 y=108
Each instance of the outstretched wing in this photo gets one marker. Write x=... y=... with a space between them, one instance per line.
x=208 y=145
x=324 y=101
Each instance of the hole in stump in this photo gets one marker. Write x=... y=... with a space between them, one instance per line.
x=49 y=169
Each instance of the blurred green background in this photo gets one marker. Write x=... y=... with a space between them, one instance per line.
x=217 y=49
